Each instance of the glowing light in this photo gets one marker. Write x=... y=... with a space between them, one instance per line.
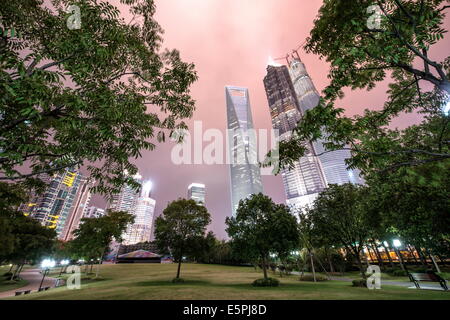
x=64 y=262
x=272 y=62
x=147 y=188
x=396 y=243
x=47 y=263
x=446 y=108
x=197 y=185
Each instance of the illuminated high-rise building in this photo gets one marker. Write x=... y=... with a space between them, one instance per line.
x=305 y=181
x=245 y=175
x=61 y=205
x=332 y=162
x=290 y=93
x=142 y=206
x=126 y=199
x=197 y=192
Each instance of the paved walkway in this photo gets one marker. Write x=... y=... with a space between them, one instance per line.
x=34 y=277
x=406 y=284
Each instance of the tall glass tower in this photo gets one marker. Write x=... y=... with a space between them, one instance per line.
x=245 y=175
x=290 y=93
x=333 y=163
x=303 y=183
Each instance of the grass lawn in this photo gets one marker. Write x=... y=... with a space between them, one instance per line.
x=5 y=284
x=153 y=282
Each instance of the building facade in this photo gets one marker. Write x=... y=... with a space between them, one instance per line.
x=197 y=192
x=245 y=175
x=94 y=212
x=305 y=181
x=142 y=206
x=62 y=204
x=290 y=93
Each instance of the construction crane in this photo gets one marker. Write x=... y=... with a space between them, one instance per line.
x=294 y=54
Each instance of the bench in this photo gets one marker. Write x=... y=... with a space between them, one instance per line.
x=43 y=289
x=18 y=293
x=427 y=277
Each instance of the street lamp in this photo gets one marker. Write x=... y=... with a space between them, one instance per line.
x=46 y=265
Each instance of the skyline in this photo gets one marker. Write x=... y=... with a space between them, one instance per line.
x=230 y=42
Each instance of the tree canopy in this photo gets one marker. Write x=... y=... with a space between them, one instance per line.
x=96 y=95
x=179 y=227
x=261 y=227
x=362 y=53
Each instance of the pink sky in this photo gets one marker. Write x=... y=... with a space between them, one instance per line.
x=230 y=42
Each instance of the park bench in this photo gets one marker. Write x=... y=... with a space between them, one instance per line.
x=18 y=293
x=43 y=289
x=427 y=277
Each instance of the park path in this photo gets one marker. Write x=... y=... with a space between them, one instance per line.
x=405 y=284
x=34 y=277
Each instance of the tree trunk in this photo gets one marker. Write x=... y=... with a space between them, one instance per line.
x=435 y=263
x=330 y=260
x=179 y=267
x=422 y=258
x=360 y=266
x=412 y=253
x=264 y=266
x=312 y=265
x=400 y=259
x=20 y=270
x=377 y=253
x=10 y=268
x=14 y=273
x=388 y=253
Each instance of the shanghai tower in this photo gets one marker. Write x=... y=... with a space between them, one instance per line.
x=290 y=93
x=245 y=175
x=303 y=183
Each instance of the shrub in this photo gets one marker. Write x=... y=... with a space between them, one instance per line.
x=309 y=277
x=7 y=274
x=399 y=273
x=269 y=282
x=362 y=283
x=177 y=280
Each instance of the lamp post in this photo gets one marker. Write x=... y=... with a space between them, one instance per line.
x=46 y=265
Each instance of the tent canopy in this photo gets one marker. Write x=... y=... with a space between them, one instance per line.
x=139 y=254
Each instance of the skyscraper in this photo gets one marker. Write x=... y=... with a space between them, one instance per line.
x=333 y=162
x=290 y=93
x=245 y=176
x=141 y=206
x=197 y=192
x=303 y=183
x=126 y=199
x=79 y=207
x=61 y=205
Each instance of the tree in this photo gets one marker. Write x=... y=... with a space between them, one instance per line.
x=179 y=227
x=32 y=241
x=339 y=213
x=261 y=227
x=93 y=95
x=93 y=236
x=363 y=54
x=413 y=208
x=203 y=248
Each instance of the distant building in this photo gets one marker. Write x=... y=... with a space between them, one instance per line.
x=126 y=199
x=245 y=175
x=63 y=202
x=197 y=192
x=141 y=206
x=94 y=212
